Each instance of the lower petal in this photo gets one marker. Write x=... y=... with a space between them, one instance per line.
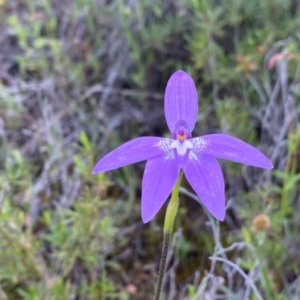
x=159 y=179
x=205 y=176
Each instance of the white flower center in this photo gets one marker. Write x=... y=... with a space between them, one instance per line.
x=181 y=147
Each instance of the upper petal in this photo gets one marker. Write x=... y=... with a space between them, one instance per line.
x=136 y=150
x=205 y=176
x=228 y=147
x=181 y=100
x=158 y=181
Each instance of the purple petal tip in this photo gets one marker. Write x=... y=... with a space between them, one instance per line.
x=220 y=217
x=181 y=74
x=146 y=220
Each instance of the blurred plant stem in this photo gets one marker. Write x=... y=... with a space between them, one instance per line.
x=168 y=227
x=2 y=294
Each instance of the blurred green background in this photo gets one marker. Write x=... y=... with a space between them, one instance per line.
x=78 y=78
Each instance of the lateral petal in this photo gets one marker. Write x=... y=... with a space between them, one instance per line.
x=228 y=147
x=158 y=181
x=181 y=100
x=136 y=150
x=205 y=176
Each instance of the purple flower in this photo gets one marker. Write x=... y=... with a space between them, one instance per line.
x=196 y=156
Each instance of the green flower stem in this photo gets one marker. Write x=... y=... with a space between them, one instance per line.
x=168 y=227
x=162 y=266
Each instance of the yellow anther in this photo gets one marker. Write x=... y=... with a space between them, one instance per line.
x=181 y=137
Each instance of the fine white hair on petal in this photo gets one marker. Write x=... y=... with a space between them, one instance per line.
x=164 y=144
x=193 y=155
x=170 y=155
x=199 y=144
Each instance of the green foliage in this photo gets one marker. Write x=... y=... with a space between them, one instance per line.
x=79 y=78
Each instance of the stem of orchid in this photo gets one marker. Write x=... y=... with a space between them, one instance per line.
x=168 y=227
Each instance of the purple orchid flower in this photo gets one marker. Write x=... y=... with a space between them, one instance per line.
x=196 y=156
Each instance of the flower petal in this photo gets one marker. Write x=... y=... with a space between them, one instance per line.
x=228 y=147
x=205 y=176
x=159 y=179
x=181 y=100
x=136 y=150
